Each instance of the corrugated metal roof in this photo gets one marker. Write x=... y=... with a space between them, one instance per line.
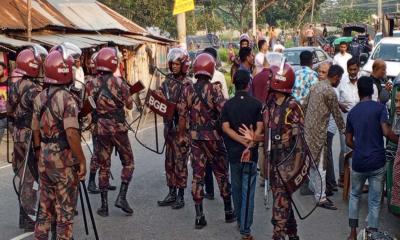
x=13 y=15
x=143 y=38
x=13 y=42
x=86 y=15
x=119 y=40
x=76 y=14
x=52 y=40
x=83 y=40
x=130 y=25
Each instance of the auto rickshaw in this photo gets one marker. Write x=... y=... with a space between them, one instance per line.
x=347 y=35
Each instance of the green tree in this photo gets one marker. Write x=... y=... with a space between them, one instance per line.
x=337 y=12
x=158 y=13
x=291 y=13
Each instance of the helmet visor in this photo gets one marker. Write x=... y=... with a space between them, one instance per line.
x=175 y=54
x=69 y=50
x=39 y=52
x=274 y=59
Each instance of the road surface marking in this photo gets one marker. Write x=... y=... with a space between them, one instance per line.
x=88 y=142
x=22 y=236
x=6 y=166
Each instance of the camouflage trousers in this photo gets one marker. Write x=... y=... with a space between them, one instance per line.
x=215 y=153
x=104 y=148
x=94 y=163
x=28 y=195
x=282 y=214
x=58 y=197
x=176 y=159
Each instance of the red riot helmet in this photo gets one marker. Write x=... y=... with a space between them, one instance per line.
x=204 y=64
x=30 y=60
x=59 y=62
x=282 y=77
x=178 y=54
x=107 y=59
x=92 y=63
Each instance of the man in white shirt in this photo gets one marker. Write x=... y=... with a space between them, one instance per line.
x=259 y=61
x=348 y=98
x=219 y=78
x=78 y=74
x=342 y=57
x=278 y=47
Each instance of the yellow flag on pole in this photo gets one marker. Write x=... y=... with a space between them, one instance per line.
x=182 y=6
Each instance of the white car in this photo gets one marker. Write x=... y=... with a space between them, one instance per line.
x=379 y=36
x=388 y=49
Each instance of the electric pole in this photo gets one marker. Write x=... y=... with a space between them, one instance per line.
x=380 y=10
x=181 y=25
x=380 y=16
x=29 y=28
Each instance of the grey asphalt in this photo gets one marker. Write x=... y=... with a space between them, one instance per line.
x=152 y=222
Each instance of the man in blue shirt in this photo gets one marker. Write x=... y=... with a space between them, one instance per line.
x=367 y=124
x=305 y=77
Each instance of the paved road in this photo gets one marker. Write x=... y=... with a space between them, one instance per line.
x=152 y=222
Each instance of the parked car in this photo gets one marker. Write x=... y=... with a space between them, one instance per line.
x=388 y=49
x=379 y=36
x=293 y=56
x=201 y=42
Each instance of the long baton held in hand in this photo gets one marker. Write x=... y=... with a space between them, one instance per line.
x=83 y=210
x=90 y=210
x=267 y=173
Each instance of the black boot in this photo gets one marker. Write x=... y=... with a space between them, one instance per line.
x=121 y=199
x=111 y=187
x=53 y=229
x=92 y=188
x=29 y=225
x=169 y=199
x=103 y=210
x=200 y=218
x=229 y=213
x=294 y=238
x=180 y=200
x=21 y=218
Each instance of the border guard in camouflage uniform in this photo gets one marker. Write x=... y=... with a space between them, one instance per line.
x=283 y=121
x=111 y=95
x=202 y=105
x=94 y=163
x=22 y=93
x=57 y=145
x=176 y=155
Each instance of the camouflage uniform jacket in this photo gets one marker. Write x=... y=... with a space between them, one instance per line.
x=109 y=102
x=64 y=107
x=173 y=90
x=203 y=119
x=321 y=102
x=22 y=95
x=285 y=121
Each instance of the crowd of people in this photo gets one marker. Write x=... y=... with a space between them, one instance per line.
x=280 y=120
